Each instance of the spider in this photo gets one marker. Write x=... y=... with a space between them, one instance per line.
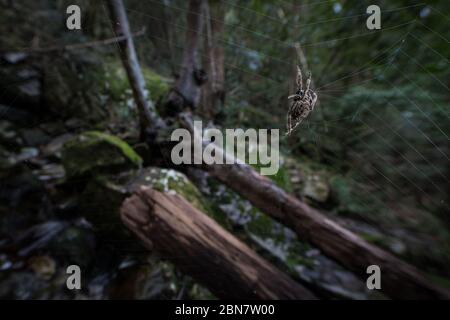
x=303 y=104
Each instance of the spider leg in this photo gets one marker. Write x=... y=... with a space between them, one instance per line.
x=295 y=126
x=314 y=100
x=308 y=82
x=289 y=119
x=299 y=79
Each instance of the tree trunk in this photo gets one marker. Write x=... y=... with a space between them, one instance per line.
x=201 y=248
x=186 y=92
x=213 y=92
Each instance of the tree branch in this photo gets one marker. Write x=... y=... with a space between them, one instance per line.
x=147 y=114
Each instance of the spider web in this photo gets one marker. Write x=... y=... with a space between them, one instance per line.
x=314 y=129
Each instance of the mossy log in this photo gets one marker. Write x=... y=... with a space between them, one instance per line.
x=201 y=248
x=399 y=279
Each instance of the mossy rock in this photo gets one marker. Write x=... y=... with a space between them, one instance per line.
x=118 y=86
x=343 y=195
x=154 y=279
x=95 y=151
x=270 y=237
x=74 y=88
x=104 y=194
x=309 y=180
x=316 y=187
x=174 y=182
x=74 y=245
x=93 y=87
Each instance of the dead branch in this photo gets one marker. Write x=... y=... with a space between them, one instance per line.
x=147 y=115
x=78 y=46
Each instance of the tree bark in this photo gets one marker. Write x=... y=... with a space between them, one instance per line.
x=186 y=92
x=147 y=115
x=204 y=250
x=213 y=91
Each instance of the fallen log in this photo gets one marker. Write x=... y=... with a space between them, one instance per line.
x=204 y=250
x=399 y=279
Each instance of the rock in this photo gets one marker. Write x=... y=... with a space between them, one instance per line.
x=43 y=266
x=22 y=84
x=20 y=285
x=34 y=137
x=347 y=201
x=94 y=151
x=104 y=194
x=153 y=279
x=14 y=57
x=173 y=182
x=24 y=155
x=9 y=136
x=116 y=81
x=316 y=188
x=75 y=245
x=50 y=172
x=16 y=115
x=309 y=181
x=55 y=146
x=98 y=87
x=27 y=285
x=31 y=89
x=37 y=237
x=23 y=199
x=144 y=282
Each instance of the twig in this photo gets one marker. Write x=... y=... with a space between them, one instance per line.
x=83 y=45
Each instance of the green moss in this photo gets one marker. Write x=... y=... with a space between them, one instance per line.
x=94 y=151
x=281 y=178
x=127 y=151
x=379 y=240
x=296 y=256
x=157 y=86
x=350 y=201
x=171 y=181
x=118 y=86
x=262 y=226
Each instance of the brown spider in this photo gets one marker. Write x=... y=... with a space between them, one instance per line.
x=304 y=102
